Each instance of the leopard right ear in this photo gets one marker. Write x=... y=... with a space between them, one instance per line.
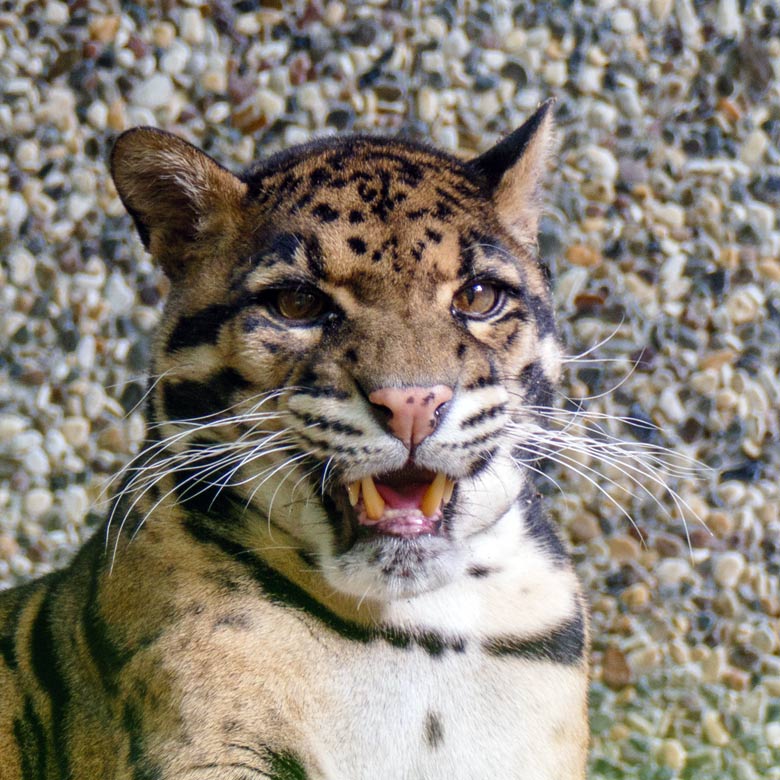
x=512 y=172
x=177 y=195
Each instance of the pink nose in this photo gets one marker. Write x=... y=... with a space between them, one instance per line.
x=413 y=410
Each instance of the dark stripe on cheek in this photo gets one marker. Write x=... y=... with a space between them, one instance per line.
x=189 y=399
x=543 y=313
x=542 y=531
x=200 y=328
x=537 y=388
x=563 y=645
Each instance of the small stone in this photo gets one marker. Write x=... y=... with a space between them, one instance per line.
x=456 y=45
x=745 y=304
x=555 y=73
x=584 y=527
x=11 y=426
x=672 y=571
x=75 y=503
x=117 y=116
x=636 y=597
x=772 y=732
x=615 y=671
x=624 y=21
x=623 y=548
x=22 y=265
x=104 y=28
x=37 y=502
x=728 y=569
x=582 y=255
x=9 y=547
x=661 y=8
x=754 y=148
x=191 y=26
x=736 y=679
x=714 y=730
x=75 y=430
x=163 y=34
x=427 y=104
x=672 y=753
x=56 y=13
x=119 y=295
x=35 y=462
x=175 y=59
x=154 y=92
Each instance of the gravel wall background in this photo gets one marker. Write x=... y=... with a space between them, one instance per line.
x=662 y=233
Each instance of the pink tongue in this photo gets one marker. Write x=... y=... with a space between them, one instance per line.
x=410 y=497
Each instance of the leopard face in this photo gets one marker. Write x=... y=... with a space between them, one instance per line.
x=353 y=327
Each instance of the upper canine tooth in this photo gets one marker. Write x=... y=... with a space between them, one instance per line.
x=353 y=489
x=448 y=488
x=374 y=503
x=433 y=495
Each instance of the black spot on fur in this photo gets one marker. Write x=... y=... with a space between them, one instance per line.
x=319 y=176
x=285 y=246
x=356 y=217
x=351 y=355
x=189 y=399
x=433 y=235
x=314 y=258
x=325 y=213
x=230 y=620
x=357 y=245
x=434 y=730
x=480 y=572
x=461 y=350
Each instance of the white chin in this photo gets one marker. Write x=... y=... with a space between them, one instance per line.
x=388 y=568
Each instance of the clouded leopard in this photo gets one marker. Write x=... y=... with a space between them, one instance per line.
x=328 y=562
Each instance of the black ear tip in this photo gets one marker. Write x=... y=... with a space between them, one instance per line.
x=492 y=165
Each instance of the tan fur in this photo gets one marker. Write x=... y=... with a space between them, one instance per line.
x=235 y=618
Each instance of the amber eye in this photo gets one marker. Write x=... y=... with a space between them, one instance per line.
x=478 y=299
x=300 y=305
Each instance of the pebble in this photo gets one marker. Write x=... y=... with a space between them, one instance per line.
x=155 y=92
x=75 y=430
x=672 y=571
x=728 y=569
x=714 y=730
x=615 y=671
x=672 y=753
x=585 y=256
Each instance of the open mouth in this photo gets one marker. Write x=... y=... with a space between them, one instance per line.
x=405 y=503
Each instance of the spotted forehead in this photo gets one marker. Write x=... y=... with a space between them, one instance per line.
x=375 y=204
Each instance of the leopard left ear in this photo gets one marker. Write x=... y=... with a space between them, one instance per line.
x=512 y=172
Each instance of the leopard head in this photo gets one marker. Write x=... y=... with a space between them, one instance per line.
x=353 y=327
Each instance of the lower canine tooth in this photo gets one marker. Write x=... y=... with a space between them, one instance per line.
x=353 y=489
x=374 y=503
x=433 y=495
x=448 y=488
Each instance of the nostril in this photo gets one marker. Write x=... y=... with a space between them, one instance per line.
x=412 y=413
